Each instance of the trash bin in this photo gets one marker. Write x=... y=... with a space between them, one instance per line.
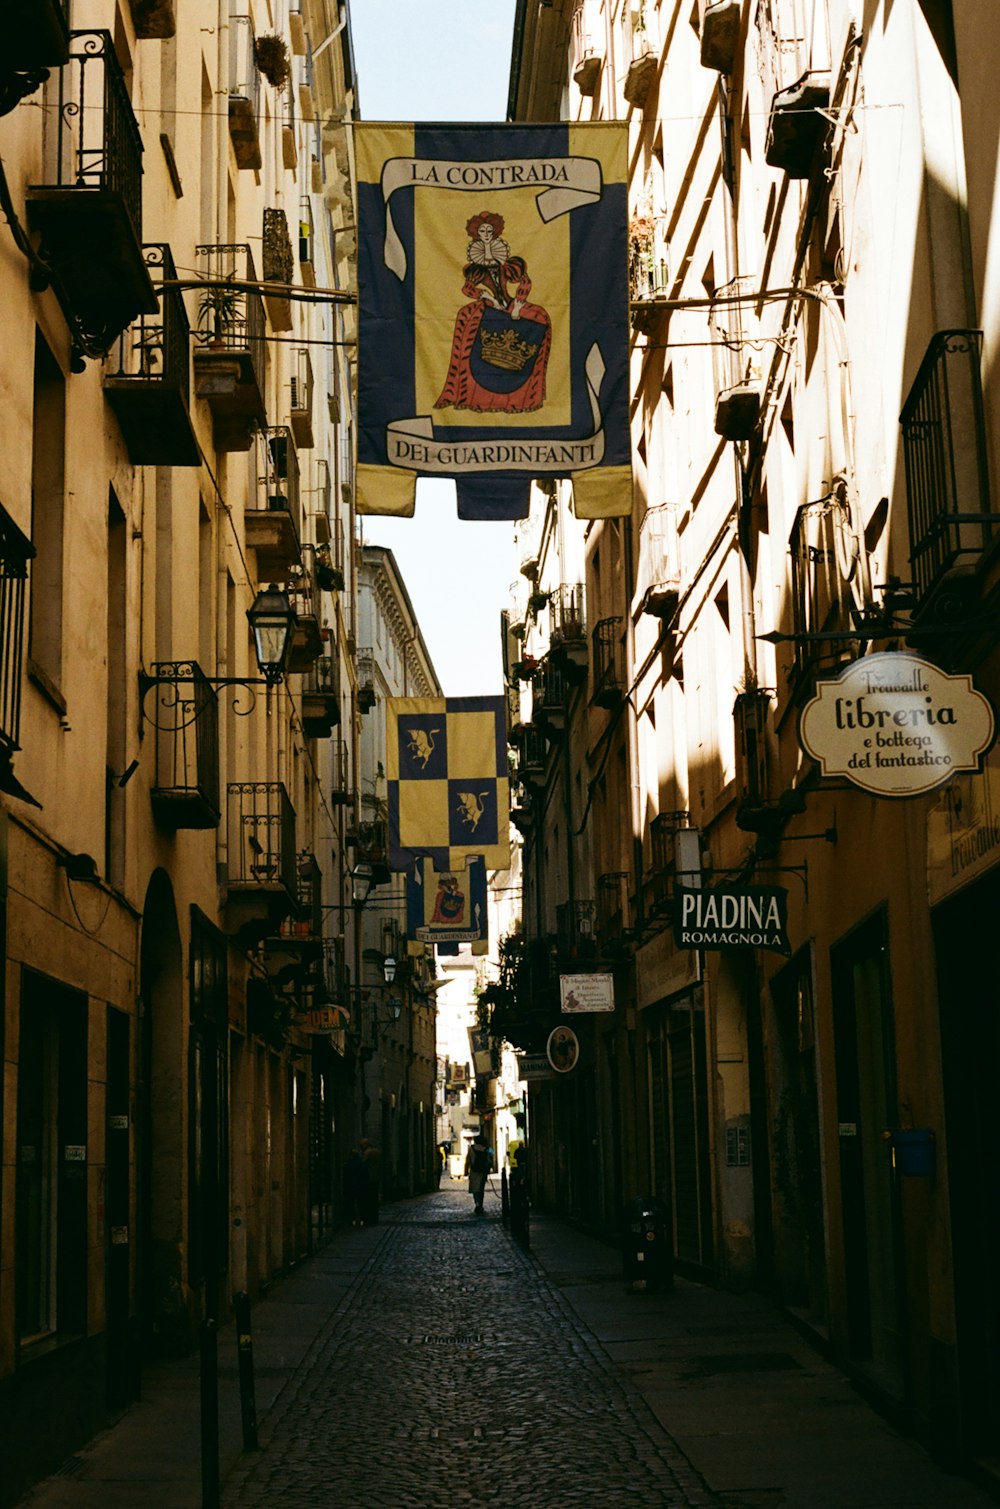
x=647 y=1258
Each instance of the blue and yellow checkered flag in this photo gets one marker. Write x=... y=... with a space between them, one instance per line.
x=446 y=770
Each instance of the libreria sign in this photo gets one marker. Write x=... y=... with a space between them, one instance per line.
x=897 y=726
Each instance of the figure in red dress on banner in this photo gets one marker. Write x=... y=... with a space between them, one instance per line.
x=500 y=348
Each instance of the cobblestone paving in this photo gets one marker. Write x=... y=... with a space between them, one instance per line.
x=454 y=1374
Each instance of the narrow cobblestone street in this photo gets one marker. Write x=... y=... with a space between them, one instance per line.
x=453 y=1370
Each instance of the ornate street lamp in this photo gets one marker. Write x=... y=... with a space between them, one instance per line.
x=389 y=969
x=272 y=619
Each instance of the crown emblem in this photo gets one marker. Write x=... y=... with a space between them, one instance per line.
x=507 y=351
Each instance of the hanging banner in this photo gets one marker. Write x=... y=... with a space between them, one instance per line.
x=493 y=314
x=449 y=907
x=896 y=725
x=587 y=992
x=447 y=787
x=732 y=916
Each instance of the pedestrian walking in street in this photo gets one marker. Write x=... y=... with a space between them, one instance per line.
x=355 y=1186
x=478 y=1162
x=371 y=1158
x=442 y=1159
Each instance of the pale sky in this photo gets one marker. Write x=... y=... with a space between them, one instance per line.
x=440 y=60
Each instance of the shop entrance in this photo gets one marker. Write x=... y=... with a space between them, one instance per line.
x=969 y=995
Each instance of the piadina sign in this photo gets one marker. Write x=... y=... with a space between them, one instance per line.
x=731 y=916
x=896 y=725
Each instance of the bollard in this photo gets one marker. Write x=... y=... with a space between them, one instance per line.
x=209 y=1414
x=504 y=1197
x=519 y=1208
x=244 y=1353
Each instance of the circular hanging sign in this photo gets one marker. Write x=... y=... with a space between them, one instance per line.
x=562 y=1049
x=895 y=725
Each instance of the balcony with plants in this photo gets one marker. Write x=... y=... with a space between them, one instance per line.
x=229 y=353
x=261 y=863
x=87 y=211
x=147 y=379
x=568 y=647
x=303 y=592
x=274 y=523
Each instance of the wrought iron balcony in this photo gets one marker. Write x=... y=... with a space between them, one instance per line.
x=229 y=356
x=341 y=794
x=828 y=563
x=614 y=914
x=644 y=62
x=260 y=830
x=321 y=697
x=300 y=399
x=88 y=210
x=289 y=130
x=532 y=756
x=658 y=577
x=279 y=268
x=185 y=791
x=16 y=550
x=944 y=452
x=147 y=380
x=274 y=526
x=548 y=697
x=609 y=663
x=307 y=243
x=304 y=81
x=567 y=606
x=575 y=931
x=665 y=845
x=585 y=63
x=301 y=932
x=322 y=496
x=244 y=92
x=303 y=593
x=366 y=680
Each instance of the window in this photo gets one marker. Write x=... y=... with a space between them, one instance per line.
x=15 y=552
x=48 y=457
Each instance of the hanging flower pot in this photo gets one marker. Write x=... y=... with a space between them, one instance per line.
x=271 y=57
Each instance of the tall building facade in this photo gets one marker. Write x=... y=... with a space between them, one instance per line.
x=812 y=245
x=178 y=375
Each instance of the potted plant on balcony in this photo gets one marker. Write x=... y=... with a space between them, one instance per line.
x=271 y=57
x=217 y=313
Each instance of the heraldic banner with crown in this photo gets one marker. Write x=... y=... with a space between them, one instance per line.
x=446 y=777
x=493 y=315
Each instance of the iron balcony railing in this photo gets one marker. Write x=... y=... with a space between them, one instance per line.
x=94 y=142
x=575 y=930
x=244 y=75
x=260 y=827
x=340 y=768
x=16 y=550
x=300 y=385
x=608 y=662
x=306 y=922
x=302 y=588
x=156 y=349
x=322 y=678
x=185 y=718
x=944 y=453
x=568 y=610
x=548 y=690
x=281 y=477
x=231 y=318
x=613 y=909
x=825 y=552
